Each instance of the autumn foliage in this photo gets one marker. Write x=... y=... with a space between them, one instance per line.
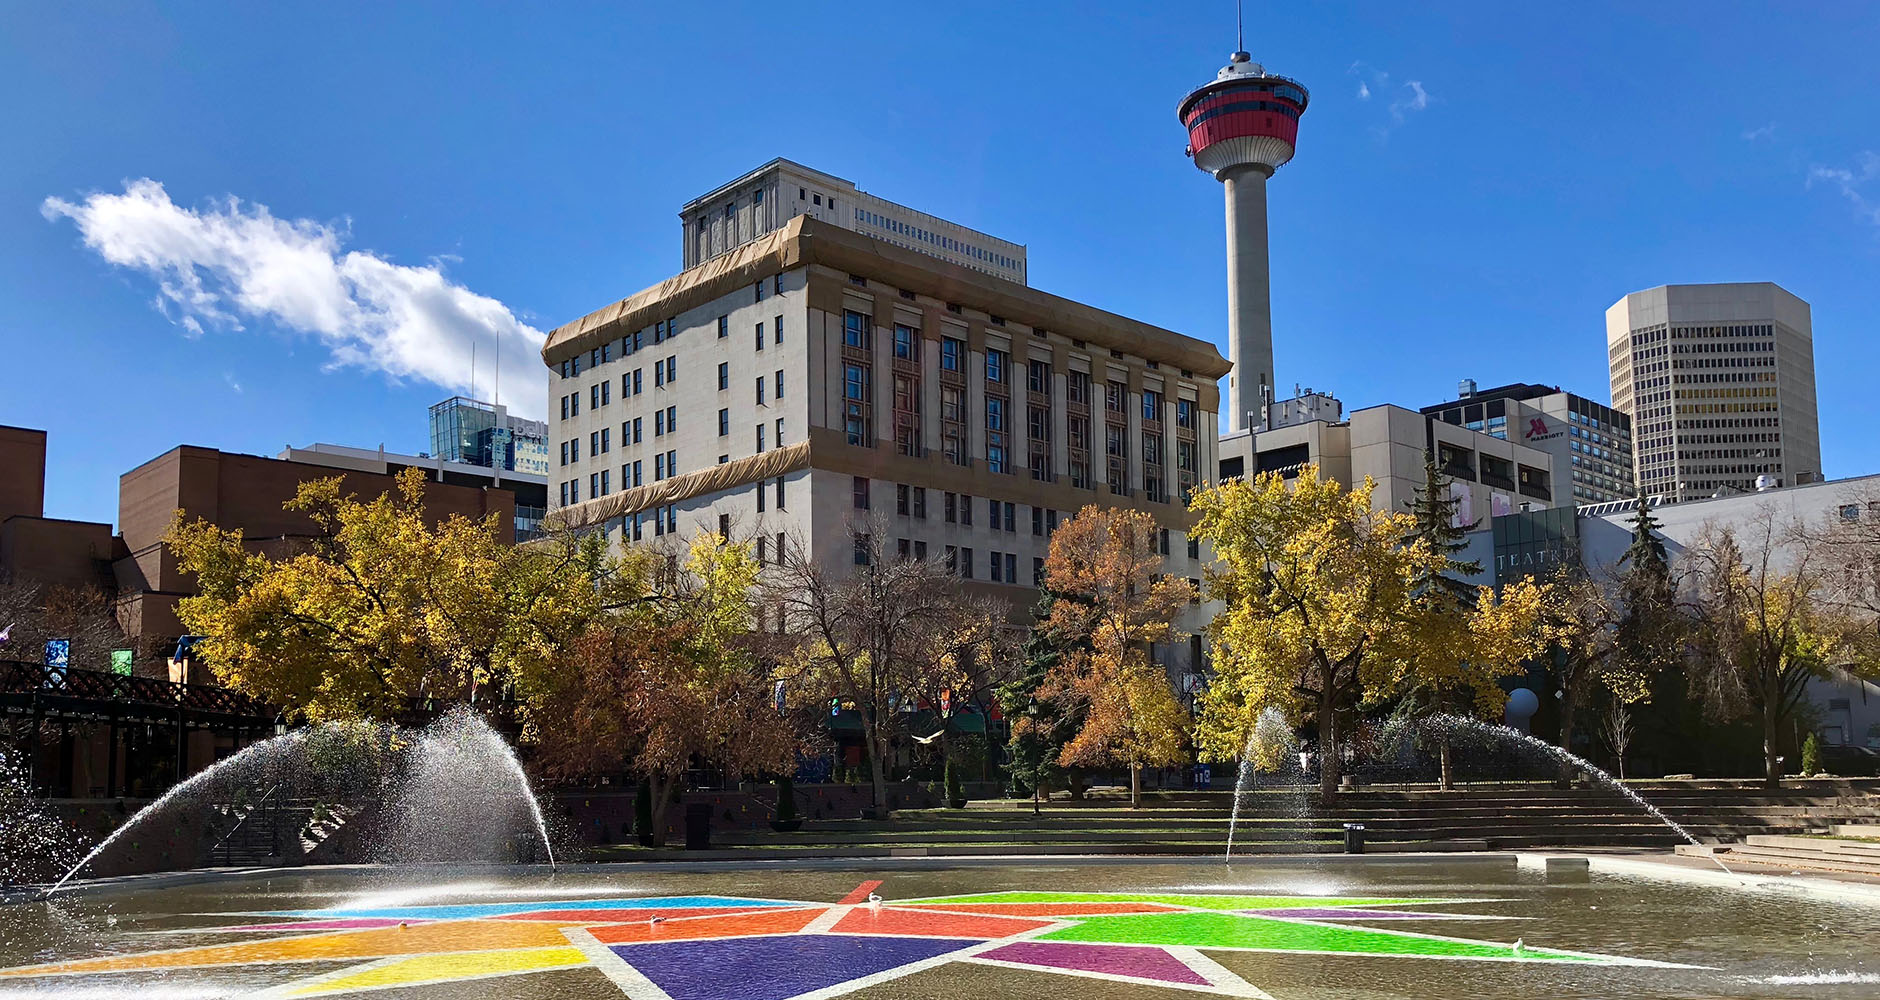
x=1105 y=569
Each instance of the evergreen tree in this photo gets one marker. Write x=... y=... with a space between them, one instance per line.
x=1437 y=514
x=1650 y=631
x=1039 y=727
x=1446 y=597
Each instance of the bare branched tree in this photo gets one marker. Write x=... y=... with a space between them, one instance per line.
x=31 y=613
x=877 y=630
x=1769 y=623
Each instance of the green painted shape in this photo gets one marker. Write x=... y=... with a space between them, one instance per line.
x=1210 y=901
x=1230 y=930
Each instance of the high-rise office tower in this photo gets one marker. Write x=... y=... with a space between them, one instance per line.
x=1719 y=381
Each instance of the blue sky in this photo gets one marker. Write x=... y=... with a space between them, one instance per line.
x=432 y=170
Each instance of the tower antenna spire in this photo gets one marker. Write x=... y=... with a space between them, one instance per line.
x=1240 y=27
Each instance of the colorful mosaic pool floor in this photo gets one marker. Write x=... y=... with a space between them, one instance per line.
x=689 y=947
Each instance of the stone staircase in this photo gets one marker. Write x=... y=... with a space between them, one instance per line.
x=1287 y=820
x=1850 y=848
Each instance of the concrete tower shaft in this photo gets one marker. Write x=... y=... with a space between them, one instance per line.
x=1241 y=128
x=1249 y=294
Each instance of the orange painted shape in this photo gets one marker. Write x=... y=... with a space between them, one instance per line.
x=639 y=915
x=1049 y=909
x=860 y=893
x=441 y=936
x=930 y=923
x=699 y=928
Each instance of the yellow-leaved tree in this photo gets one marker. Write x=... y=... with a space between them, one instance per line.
x=385 y=606
x=1106 y=569
x=1320 y=605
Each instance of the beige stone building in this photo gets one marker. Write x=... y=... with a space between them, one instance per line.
x=760 y=202
x=1492 y=476
x=1719 y=381
x=815 y=377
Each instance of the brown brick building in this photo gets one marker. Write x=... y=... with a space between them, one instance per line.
x=238 y=491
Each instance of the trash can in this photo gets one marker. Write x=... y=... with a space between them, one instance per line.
x=698 y=826
x=1354 y=838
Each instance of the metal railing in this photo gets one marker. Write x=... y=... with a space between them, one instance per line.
x=19 y=677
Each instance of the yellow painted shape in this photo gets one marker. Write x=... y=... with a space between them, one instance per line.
x=443 y=936
x=445 y=968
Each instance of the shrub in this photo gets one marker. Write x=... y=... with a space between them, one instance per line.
x=1811 y=755
x=643 y=812
x=786 y=799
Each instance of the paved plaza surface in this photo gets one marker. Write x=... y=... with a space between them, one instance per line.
x=1295 y=929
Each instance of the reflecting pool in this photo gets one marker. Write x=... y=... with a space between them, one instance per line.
x=1473 y=928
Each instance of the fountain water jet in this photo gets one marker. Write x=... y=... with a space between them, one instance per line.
x=267 y=751
x=423 y=779
x=1270 y=735
x=1455 y=722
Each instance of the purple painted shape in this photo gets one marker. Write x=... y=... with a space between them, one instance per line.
x=773 y=968
x=1341 y=913
x=1112 y=959
x=350 y=924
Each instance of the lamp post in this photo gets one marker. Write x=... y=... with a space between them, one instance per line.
x=1031 y=710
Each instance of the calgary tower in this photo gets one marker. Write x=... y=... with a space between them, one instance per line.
x=1241 y=128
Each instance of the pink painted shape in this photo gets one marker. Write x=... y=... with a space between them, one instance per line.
x=348 y=924
x=1110 y=959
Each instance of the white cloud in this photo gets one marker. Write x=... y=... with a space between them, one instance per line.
x=1852 y=183
x=230 y=263
x=1405 y=98
x=229 y=378
x=1416 y=100
x=1764 y=132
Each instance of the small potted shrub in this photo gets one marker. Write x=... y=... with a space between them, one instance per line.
x=787 y=820
x=643 y=814
x=956 y=795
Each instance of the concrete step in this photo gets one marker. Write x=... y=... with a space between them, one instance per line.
x=1857 y=830
x=1858 y=850
x=1786 y=858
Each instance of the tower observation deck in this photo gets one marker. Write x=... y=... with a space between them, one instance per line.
x=1241 y=128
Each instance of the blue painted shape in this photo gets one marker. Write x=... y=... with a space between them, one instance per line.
x=470 y=911
x=774 y=968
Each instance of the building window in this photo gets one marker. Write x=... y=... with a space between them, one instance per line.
x=776 y=324
x=856 y=405
x=760 y=390
x=1038 y=376
x=966 y=510
x=857 y=330
x=1114 y=393
x=995 y=366
x=861 y=549
x=724 y=328
x=760 y=439
x=724 y=422
x=906 y=342
x=859 y=491
x=994 y=566
x=1151 y=405
x=952 y=354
